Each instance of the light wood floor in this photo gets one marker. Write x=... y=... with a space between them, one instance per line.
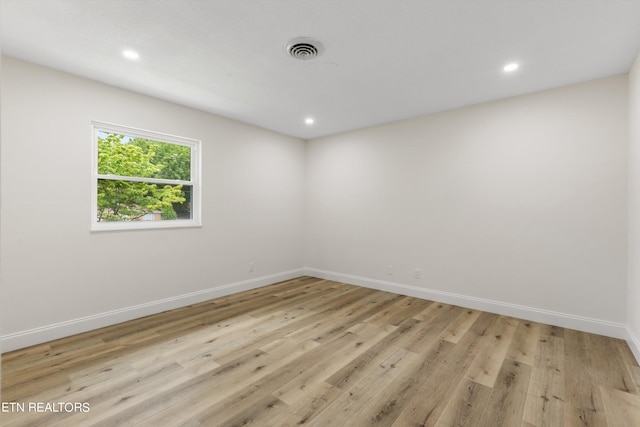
x=320 y=353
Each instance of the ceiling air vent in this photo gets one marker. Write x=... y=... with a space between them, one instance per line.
x=304 y=48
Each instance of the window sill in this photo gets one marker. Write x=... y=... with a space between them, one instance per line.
x=144 y=225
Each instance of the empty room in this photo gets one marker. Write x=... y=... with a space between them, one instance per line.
x=324 y=213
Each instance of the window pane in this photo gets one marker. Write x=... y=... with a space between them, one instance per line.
x=141 y=201
x=137 y=157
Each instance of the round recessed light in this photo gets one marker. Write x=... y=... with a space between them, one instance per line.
x=130 y=54
x=309 y=120
x=510 y=68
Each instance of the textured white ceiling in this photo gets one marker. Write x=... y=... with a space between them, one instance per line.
x=383 y=60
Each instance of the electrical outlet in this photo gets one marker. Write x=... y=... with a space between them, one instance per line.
x=251 y=267
x=390 y=270
x=416 y=273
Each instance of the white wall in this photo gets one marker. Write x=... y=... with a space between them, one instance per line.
x=58 y=278
x=633 y=298
x=517 y=206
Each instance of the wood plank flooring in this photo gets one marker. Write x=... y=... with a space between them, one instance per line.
x=320 y=353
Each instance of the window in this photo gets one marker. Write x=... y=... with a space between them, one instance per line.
x=143 y=179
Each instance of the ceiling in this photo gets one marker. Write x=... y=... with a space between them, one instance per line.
x=383 y=60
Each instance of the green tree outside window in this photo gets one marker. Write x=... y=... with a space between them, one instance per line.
x=127 y=158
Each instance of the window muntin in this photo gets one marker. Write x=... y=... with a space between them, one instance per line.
x=143 y=179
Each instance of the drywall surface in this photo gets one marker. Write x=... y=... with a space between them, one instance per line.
x=633 y=299
x=54 y=270
x=520 y=201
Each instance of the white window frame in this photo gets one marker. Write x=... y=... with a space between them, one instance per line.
x=195 y=182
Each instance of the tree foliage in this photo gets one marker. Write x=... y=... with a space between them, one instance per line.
x=121 y=200
x=175 y=160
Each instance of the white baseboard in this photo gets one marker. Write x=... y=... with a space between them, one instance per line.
x=580 y=323
x=63 y=329
x=634 y=343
